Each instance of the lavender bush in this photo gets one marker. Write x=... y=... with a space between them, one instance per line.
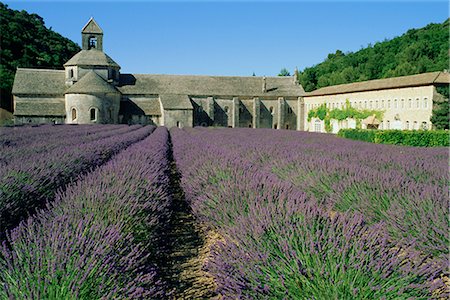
x=28 y=183
x=277 y=208
x=97 y=239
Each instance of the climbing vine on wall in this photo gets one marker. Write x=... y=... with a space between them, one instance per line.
x=347 y=112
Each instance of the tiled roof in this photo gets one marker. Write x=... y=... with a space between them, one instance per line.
x=208 y=85
x=91 y=27
x=387 y=83
x=91 y=83
x=173 y=101
x=39 y=82
x=140 y=106
x=92 y=57
x=40 y=107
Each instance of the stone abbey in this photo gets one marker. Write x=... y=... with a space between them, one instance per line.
x=91 y=89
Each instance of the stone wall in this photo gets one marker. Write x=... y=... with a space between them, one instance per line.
x=105 y=105
x=178 y=118
x=404 y=108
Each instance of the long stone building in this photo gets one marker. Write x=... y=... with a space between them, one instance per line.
x=91 y=89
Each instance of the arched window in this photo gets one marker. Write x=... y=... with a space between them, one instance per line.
x=403 y=103
x=111 y=114
x=425 y=103
x=370 y=104
x=241 y=110
x=382 y=103
x=415 y=125
x=424 y=126
x=179 y=124
x=409 y=103
x=74 y=114
x=200 y=109
x=389 y=104
x=271 y=109
x=395 y=103
x=92 y=42
x=275 y=126
x=407 y=125
x=287 y=126
x=417 y=103
x=376 y=103
x=250 y=125
x=70 y=73
x=388 y=125
x=93 y=113
x=226 y=109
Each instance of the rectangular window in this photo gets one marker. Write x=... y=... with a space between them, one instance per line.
x=376 y=104
x=395 y=103
x=409 y=103
x=370 y=104
x=425 y=103
x=417 y=103
x=317 y=126
x=403 y=103
x=389 y=104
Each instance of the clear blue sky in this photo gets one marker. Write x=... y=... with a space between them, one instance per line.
x=233 y=38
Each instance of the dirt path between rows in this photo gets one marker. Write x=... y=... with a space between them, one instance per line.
x=187 y=244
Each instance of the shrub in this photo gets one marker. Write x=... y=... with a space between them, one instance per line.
x=439 y=138
x=358 y=134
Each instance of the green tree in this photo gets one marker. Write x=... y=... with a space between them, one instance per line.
x=284 y=72
x=416 y=51
x=26 y=42
x=441 y=114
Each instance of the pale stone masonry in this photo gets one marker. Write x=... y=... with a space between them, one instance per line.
x=91 y=89
x=407 y=101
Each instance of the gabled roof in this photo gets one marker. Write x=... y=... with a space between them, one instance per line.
x=141 y=84
x=387 y=83
x=39 y=82
x=91 y=83
x=140 y=106
x=92 y=57
x=92 y=27
x=40 y=107
x=173 y=101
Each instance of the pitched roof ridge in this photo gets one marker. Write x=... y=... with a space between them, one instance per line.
x=90 y=79
x=204 y=76
x=437 y=76
x=92 y=20
x=39 y=70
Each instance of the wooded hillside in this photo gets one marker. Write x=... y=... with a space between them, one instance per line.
x=417 y=51
x=26 y=42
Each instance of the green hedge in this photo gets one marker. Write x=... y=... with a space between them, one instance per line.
x=420 y=138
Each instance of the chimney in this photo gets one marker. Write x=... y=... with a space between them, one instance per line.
x=296 y=76
x=264 y=85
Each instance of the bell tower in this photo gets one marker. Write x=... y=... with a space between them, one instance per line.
x=92 y=36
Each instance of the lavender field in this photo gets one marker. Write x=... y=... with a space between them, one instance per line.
x=131 y=212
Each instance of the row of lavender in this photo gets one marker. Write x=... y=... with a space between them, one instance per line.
x=18 y=145
x=270 y=195
x=97 y=239
x=405 y=187
x=28 y=181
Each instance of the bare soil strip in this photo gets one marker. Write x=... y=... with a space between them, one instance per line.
x=187 y=247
